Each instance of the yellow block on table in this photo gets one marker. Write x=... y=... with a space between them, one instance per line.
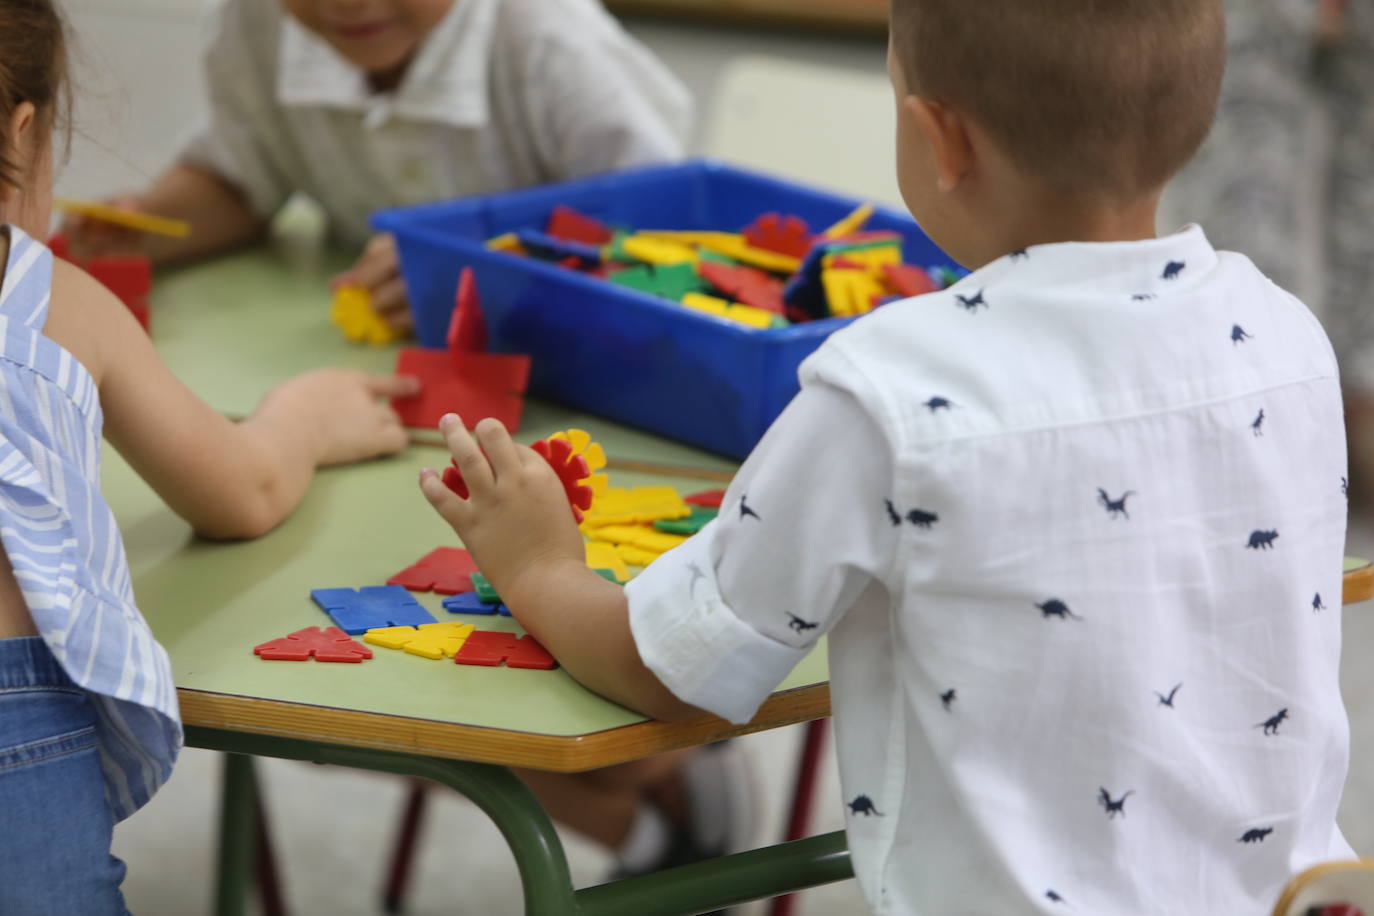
x=619 y=506
x=352 y=311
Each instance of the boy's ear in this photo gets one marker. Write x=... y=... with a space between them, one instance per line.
x=947 y=134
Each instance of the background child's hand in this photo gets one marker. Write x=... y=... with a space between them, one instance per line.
x=516 y=517
x=378 y=270
x=342 y=412
x=88 y=237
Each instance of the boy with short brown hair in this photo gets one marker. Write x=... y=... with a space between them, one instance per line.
x=1074 y=526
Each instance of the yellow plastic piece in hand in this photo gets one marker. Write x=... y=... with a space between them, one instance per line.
x=352 y=311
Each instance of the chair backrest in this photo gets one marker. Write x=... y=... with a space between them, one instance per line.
x=823 y=125
x=1326 y=886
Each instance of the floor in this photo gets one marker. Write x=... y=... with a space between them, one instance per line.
x=334 y=827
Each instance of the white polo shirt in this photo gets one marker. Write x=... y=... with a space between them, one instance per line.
x=502 y=94
x=1075 y=528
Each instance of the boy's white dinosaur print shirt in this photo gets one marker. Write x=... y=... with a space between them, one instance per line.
x=1075 y=528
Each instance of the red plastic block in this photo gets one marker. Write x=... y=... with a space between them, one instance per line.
x=744 y=284
x=789 y=235
x=490 y=648
x=709 y=498
x=567 y=224
x=467 y=329
x=908 y=279
x=444 y=570
x=570 y=469
x=472 y=385
x=327 y=645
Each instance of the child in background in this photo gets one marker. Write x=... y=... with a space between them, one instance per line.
x=1074 y=525
x=369 y=104
x=88 y=715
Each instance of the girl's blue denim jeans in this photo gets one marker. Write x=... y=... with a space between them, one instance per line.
x=55 y=825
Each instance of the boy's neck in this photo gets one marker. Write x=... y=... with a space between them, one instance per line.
x=1045 y=219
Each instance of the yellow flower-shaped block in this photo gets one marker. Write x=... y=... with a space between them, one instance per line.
x=430 y=640
x=352 y=311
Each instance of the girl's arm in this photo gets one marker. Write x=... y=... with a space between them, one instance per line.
x=229 y=480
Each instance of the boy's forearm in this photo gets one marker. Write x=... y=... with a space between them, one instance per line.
x=584 y=621
x=219 y=215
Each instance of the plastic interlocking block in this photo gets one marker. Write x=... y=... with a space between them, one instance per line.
x=444 y=570
x=687 y=526
x=711 y=498
x=327 y=644
x=789 y=235
x=908 y=280
x=487 y=647
x=430 y=640
x=472 y=603
x=467 y=328
x=745 y=284
x=484 y=589
x=371 y=607
x=567 y=223
x=471 y=384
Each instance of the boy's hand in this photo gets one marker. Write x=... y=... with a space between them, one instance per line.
x=88 y=237
x=516 y=517
x=378 y=270
x=342 y=412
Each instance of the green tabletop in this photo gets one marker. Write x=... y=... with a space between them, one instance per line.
x=231 y=328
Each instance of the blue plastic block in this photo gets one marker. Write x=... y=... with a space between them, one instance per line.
x=371 y=607
x=469 y=603
x=548 y=248
x=619 y=352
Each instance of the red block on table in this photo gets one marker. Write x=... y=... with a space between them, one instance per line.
x=708 y=498
x=789 y=235
x=909 y=280
x=327 y=645
x=129 y=277
x=491 y=648
x=472 y=385
x=444 y=570
x=567 y=224
x=744 y=284
x=467 y=329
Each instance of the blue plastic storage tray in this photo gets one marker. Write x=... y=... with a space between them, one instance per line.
x=644 y=361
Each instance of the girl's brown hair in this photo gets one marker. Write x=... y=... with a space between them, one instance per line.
x=33 y=68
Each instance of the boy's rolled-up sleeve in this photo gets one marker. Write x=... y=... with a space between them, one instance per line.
x=803 y=530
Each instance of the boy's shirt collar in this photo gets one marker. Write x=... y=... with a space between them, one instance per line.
x=446 y=81
x=1138 y=270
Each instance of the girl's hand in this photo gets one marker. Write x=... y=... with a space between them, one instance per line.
x=516 y=518
x=88 y=237
x=378 y=270
x=342 y=412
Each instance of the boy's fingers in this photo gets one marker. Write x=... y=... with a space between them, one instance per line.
x=377 y=263
x=391 y=386
x=448 y=504
x=471 y=462
x=496 y=442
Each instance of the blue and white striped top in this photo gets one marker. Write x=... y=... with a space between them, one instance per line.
x=62 y=540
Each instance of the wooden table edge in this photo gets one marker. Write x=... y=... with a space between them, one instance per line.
x=1358 y=585
x=482 y=744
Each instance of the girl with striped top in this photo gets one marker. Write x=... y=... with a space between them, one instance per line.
x=88 y=715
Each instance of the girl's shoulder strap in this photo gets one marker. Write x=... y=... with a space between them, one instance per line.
x=27 y=287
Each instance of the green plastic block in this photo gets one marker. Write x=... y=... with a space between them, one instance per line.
x=671 y=281
x=484 y=589
x=608 y=575
x=687 y=526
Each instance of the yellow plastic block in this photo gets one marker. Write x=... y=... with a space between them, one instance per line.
x=618 y=506
x=602 y=555
x=636 y=556
x=872 y=259
x=640 y=536
x=850 y=292
x=129 y=219
x=701 y=302
x=851 y=223
x=658 y=250
x=734 y=246
x=689 y=237
x=352 y=311
x=747 y=314
x=509 y=242
x=431 y=640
